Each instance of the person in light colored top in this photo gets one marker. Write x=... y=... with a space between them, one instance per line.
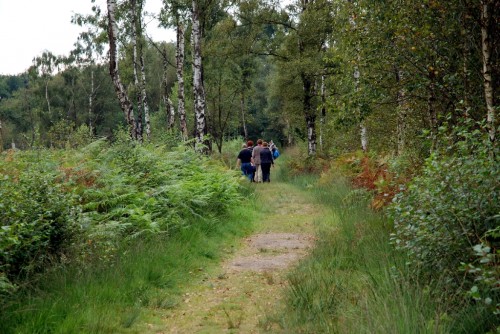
x=256 y=161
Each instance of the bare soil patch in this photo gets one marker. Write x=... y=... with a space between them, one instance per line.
x=270 y=251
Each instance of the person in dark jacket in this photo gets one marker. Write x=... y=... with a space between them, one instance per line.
x=245 y=160
x=266 y=161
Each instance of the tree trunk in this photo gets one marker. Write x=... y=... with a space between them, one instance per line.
x=1 y=135
x=363 y=131
x=135 y=64
x=289 y=137
x=125 y=104
x=144 y=101
x=323 y=111
x=486 y=9
x=47 y=96
x=431 y=100
x=309 y=113
x=91 y=101
x=242 y=104
x=308 y=87
x=169 y=108
x=402 y=113
x=198 y=89
x=180 y=80
x=465 y=64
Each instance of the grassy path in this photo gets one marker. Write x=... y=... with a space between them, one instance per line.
x=237 y=296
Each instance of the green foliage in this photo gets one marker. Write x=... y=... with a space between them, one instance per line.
x=148 y=276
x=37 y=214
x=353 y=281
x=450 y=208
x=91 y=201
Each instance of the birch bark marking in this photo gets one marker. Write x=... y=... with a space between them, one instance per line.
x=144 y=102
x=135 y=64
x=362 y=127
x=180 y=79
x=199 y=93
x=125 y=104
x=487 y=66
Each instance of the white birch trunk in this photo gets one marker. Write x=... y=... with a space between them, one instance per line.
x=356 y=75
x=135 y=64
x=144 y=101
x=125 y=104
x=363 y=133
x=169 y=107
x=171 y=116
x=289 y=136
x=180 y=80
x=364 y=136
x=199 y=92
x=242 y=106
x=486 y=8
x=47 y=95
x=91 y=101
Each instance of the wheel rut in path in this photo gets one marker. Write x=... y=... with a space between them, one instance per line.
x=249 y=284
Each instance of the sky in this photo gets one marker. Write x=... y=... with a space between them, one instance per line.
x=29 y=27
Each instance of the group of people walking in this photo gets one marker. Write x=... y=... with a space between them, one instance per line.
x=255 y=162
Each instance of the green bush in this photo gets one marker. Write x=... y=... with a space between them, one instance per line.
x=37 y=215
x=450 y=207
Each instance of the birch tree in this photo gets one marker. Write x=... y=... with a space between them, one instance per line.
x=198 y=87
x=121 y=93
x=46 y=65
x=486 y=47
x=179 y=59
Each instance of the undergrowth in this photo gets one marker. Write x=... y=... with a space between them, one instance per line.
x=355 y=281
x=91 y=236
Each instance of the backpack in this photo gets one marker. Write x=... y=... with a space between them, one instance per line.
x=276 y=153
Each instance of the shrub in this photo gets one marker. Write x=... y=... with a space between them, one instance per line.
x=37 y=215
x=449 y=208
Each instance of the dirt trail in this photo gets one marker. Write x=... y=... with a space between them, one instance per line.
x=250 y=283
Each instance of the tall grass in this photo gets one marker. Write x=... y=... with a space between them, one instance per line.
x=148 y=274
x=354 y=282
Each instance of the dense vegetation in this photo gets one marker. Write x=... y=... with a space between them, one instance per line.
x=401 y=96
x=87 y=202
x=356 y=281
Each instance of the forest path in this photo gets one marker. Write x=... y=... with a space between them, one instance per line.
x=249 y=283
